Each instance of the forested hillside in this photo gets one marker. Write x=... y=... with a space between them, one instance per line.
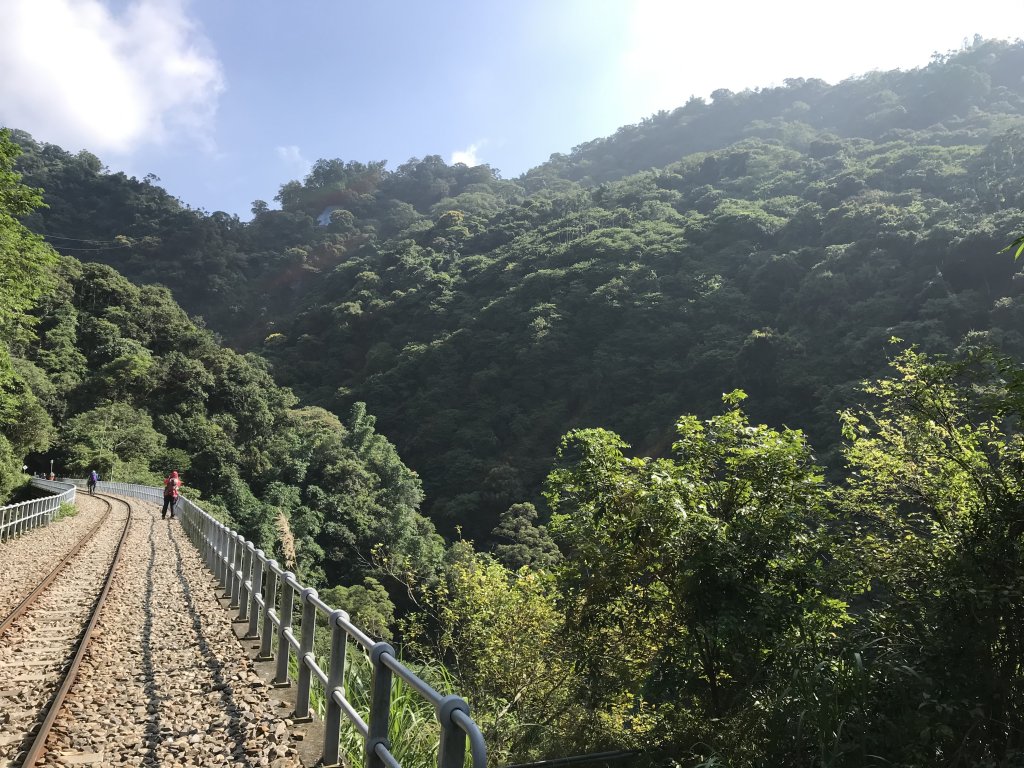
x=103 y=374
x=771 y=239
x=823 y=566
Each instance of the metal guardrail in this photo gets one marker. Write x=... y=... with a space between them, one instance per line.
x=264 y=595
x=15 y=519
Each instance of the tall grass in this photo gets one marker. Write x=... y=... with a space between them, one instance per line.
x=289 y=558
x=413 y=728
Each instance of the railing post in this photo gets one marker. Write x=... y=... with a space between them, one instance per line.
x=209 y=549
x=284 y=624
x=245 y=590
x=255 y=591
x=239 y=583
x=231 y=592
x=222 y=555
x=212 y=534
x=451 y=751
x=335 y=682
x=380 y=705
x=305 y=654
x=269 y=601
x=229 y=553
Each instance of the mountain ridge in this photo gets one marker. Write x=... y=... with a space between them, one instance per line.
x=782 y=237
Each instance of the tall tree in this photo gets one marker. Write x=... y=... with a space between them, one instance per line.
x=691 y=582
x=26 y=262
x=935 y=466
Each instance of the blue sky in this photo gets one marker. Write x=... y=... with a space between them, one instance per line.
x=225 y=100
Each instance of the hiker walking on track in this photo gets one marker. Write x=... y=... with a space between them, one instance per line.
x=171 y=487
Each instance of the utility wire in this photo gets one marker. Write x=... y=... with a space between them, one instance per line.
x=77 y=239
x=107 y=248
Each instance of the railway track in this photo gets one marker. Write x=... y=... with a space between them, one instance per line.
x=26 y=560
x=43 y=640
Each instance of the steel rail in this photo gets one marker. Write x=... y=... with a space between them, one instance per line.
x=26 y=603
x=39 y=741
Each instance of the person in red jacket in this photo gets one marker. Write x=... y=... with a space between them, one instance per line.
x=171 y=487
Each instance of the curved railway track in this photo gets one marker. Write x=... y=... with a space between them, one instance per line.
x=43 y=640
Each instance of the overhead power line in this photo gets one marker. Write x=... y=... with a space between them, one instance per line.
x=104 y=248
x=77 y=239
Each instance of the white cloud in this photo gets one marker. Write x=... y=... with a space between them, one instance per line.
x=470 y=155
x=82 y=75
x=292 y=157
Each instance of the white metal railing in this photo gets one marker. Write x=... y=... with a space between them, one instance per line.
x=15 y=519
x=265 y=596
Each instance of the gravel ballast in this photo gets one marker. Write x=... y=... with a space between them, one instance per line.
x=165 y=681
x=26 y=559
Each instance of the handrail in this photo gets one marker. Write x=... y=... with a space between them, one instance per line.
x=264 y=595
x=15 y=519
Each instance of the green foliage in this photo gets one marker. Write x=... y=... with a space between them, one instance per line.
x=10 y=471
x=139 y=390
x=368 y=604
x=729 y=607
x=116 y=439
x=412 y=724
x=935 y=467
x=66 y=510
x=498 y=632
x=707 y=566
x=25 y=265
x=25 y=259
x=522 y=542
x=1017 y=246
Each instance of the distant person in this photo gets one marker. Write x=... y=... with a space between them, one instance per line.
x=94 y=477
x=171 y=487
x=51 y=476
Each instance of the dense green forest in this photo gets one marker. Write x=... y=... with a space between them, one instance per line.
x=822 y=567
x=108 y=375
x=770 y=239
